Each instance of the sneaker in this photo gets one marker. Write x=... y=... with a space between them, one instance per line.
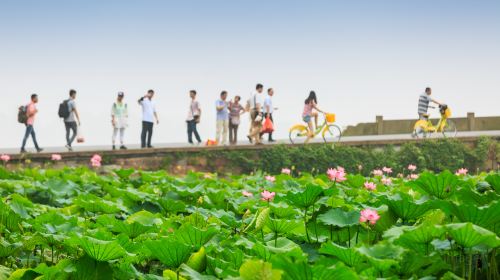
x=122 y=147
x=250 y=139
x=271 y=140
x=23 y=151
x=114 y=147
x=39 y=150
x=151 y=147
x=69 y=148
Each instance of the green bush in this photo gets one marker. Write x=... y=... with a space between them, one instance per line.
x=435 y=155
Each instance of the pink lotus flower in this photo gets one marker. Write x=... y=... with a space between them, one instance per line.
x=5 y=158
x=377 y=172
x=412 y=167
x=95 y=161
x=286 y=171
x=413 y=176
x=369 y=215
x=387 y=170
x=270 y=178
x=386 y=181
x=56 y=157
x=267 y=196
x=370 y=186
x=337 y=175
x=247 y=194
x=461 y=171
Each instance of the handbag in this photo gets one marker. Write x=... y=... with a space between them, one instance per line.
x=79 y=135
x=268 y=126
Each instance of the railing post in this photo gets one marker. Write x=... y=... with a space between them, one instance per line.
x=471 y=121
x=380 y=124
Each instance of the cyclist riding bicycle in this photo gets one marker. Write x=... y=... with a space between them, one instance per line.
x=311 y=104
x=423 y=104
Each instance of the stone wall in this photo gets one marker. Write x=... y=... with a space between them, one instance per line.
x=381 y=126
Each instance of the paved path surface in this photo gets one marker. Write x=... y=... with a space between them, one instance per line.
x=348 y=140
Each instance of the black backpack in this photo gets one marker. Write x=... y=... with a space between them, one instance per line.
x=64 y=109
x=22 y=114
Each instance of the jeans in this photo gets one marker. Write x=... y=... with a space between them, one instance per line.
x=147 y=132
x=221 y=131
x=70 y=126
x=115 y=133
x=233 y=133
x=29 y=131
x=191 y=126
x=271 y=118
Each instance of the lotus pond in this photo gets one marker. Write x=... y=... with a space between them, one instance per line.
x=81 y=224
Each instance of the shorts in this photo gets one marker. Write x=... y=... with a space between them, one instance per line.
x=306 y=118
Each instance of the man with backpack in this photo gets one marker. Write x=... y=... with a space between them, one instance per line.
x=68 y=111
x=27 y=116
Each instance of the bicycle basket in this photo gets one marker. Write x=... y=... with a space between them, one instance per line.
x=330 y=118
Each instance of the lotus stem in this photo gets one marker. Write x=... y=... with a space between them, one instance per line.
x=349 y=233
x=357 y=235
x=305 y=225
x=470 y=265
x=275 y=239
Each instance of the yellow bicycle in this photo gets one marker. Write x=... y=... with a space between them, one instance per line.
x=329 y=131
x=425 y=128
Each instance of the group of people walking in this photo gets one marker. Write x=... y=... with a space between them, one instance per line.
x=228 y=116
x=259 y=106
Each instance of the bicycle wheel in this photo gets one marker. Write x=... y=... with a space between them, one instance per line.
x=450 y=129
x=298 y=134
x=419 y=130
x=332 y=133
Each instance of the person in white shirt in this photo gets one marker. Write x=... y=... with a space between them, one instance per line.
x=268 y=111
x=149 y=115
x=119 y=119
x=193 y=118
x=255 y=106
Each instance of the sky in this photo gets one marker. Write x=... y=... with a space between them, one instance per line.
x=362 y=57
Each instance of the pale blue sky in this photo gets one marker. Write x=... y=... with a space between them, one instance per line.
x=363 y=58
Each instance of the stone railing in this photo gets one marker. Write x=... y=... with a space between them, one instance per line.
x=381 y=126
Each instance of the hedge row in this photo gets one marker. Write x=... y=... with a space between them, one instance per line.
x=435 y=155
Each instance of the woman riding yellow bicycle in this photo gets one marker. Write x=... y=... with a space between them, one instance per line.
x=329 y=131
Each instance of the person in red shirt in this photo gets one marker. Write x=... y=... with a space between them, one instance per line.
x=31 y=112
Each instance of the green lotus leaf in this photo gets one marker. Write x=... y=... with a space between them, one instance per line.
x=383 y=256
x=293 y=269
x=307 y=197
x=8 y=249
x=338 y=217
x=494 y=181
x=101 y=250
x=198 y=260
x=338 y=272
x=440 y=186
x=281 y=226
x=191 y=235
x=144 y=218
x=172 y=206
x=124 y=173
x=469 y=235
x=259 y=270
x=282 y=246
x=170 y=252
x=8 y=218
x=89 y=269
x=349 y=256
x=406 y=208
x=483 y=216
x=193 y=274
